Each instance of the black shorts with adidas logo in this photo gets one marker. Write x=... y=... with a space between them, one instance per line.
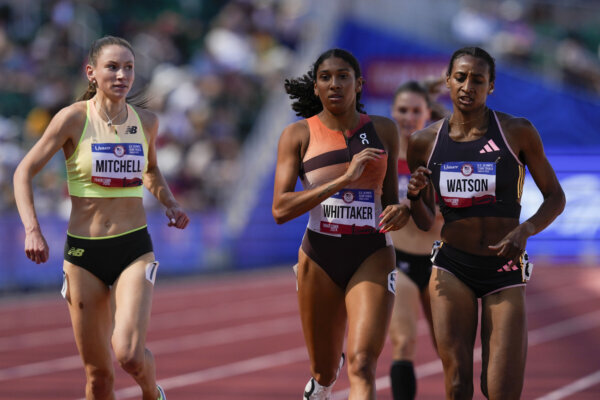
x=482 y=274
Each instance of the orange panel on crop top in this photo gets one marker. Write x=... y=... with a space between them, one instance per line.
x=356 y=208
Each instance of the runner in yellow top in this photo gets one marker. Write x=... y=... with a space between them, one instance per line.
x=109 y=268
x=109 y=160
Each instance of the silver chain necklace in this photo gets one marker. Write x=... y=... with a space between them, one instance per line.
x=110 y=120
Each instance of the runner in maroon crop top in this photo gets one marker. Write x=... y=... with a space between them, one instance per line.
x=412 y=110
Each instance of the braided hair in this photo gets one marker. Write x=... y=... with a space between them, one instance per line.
x=301 y=89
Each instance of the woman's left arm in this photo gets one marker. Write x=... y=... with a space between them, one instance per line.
x=154 y=181
x=525 y=139
x=394 y=215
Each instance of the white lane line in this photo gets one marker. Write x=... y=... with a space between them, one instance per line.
x=247 y=281
x=39 y=338
x=181 y=343
x=191 y=317
x=233 y=334
x=43 y=308
x=281 y=326
x=537 y=336
x=567 y=295
x=224 y=371
x=248 y=309
x=572 y=388
x=40 y=368
x=197 y=315
x=250 y=331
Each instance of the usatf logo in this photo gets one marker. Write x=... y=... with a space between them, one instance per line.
x=131 y=130
x=75 y=252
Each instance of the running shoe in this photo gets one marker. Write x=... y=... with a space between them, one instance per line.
x=317 y=392
x=161 y=393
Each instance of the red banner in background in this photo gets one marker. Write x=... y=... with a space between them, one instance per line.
x=384 y=75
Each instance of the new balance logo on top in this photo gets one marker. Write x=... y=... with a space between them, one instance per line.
x=490 y=147
x=131 y=130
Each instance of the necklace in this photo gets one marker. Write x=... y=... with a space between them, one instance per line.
x=109 y=120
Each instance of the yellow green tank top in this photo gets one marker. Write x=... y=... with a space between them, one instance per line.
x=109 y=161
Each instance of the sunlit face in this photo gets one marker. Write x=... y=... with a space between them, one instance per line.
x=114 y=71
x=336 y=85
x=410 y=111
x=469 y=83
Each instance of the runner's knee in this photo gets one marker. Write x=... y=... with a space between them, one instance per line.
x=403 y=345
x=362 y=365
x=459 y=380
x=130 y=358
x=461 y=389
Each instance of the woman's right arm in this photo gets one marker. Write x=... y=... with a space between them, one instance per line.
x=288 y=204
x=55 y=137
x=422 y=203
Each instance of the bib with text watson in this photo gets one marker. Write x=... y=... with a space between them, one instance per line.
x=465 y=184
x=117 y=164
x=349 y=211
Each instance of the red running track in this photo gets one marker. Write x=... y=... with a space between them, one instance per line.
x=238 y=336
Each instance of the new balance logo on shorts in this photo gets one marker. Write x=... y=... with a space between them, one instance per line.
x=75 y=252
x=131 y=130
x=490 y=147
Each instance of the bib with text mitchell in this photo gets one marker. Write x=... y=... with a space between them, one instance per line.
x=117 y=164
x=465 y=184
x=349 y=211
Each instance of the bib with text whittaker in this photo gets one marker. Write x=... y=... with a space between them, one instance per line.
x=465 y=184
x=117 y=164
x=349 y=211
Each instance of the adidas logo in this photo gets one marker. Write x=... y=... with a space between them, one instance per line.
x=509 y=266
x=490 y=147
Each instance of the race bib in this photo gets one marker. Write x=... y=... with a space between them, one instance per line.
x=349 y=211
x=465 y=184
x=117 y=164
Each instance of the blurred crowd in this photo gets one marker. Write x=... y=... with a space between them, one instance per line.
x=559 y=39
x=205 y=67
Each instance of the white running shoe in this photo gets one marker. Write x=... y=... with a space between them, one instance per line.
x=161 y=393
x=315 y=391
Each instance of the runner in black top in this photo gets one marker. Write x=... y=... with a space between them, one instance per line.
x=476 y=160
